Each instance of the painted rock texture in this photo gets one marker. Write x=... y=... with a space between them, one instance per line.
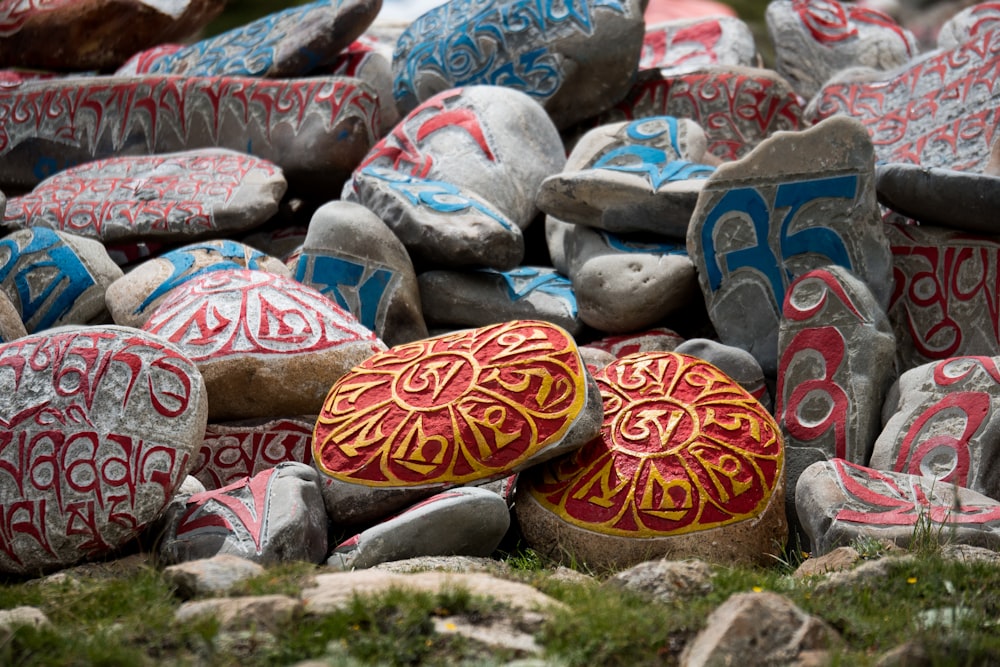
x=370 y=60
x=737 y=363
x=53 y=278
x=232 y=451
x=942 y=423
x=945 y=288
x=133 y=297
x=799 y=201
x=177 y=196
x=492 y=142
x=272 y=517
x=267 y=345
x=698 y=42
x=814 y=39
x=935 y=112
x=839 y=501
x=99 y=427
x=687 y=464
x=465 y=407
x=288 y=43
x=479 y=298
x=943 y=197
x=737 y=106
x=353 y=258
x=968 y=25
x=94 y=34
x=464 y=521
x=316 y=130
x=575 y=60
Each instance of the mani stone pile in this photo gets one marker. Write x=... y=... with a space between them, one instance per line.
x=331 y=288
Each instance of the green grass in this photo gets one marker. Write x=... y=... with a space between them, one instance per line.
x=128 y=621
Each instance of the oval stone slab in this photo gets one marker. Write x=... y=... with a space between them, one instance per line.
x=172 y=197
x=316 y=130
x=98 y=426
x=133 y=297
x=688 y=463
x=470 y=406
x=267 y=345
x=575 y=59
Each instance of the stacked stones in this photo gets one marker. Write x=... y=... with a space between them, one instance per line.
x=247 y=305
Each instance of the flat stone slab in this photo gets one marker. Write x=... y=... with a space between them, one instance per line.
x=697 y=42
x=267 y=345
x=471 y=406
x=687 y=464
x=273 y=517
x=838 y=502
x=464 y=521
x=937 y=112
x=316 y=130
x=537 y=47
x=945 y=294
x=942 y=421
x=737 y=106
x=288 y=43
x=94 y=34
x=171 y=197
x=99 y=426
x=798 y=202
x=938 y=196
x=968 y=25
x=133 y=297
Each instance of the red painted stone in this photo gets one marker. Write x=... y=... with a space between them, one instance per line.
x=457 y=408
x=683 y=448
x=231 y=452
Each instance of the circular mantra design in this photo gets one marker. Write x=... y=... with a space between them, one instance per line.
x=683 y=448
x=452 y=409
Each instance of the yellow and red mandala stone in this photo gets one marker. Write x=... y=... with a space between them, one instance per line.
x=452 y=409
x=683 y=448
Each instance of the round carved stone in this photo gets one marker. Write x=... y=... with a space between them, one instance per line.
x=684 y=450
x=457 y=408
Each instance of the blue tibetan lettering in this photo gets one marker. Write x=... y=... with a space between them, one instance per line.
x=627 y=245
x=355 y=287
x=525 y=280
x=816 y=240
x=65 y=277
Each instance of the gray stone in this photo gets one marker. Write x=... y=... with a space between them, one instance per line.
x=370 y=59
x=11 y=326
x=798 y=202
x=758 y=629
x=659 y=339
x=53 y=278
x=273 y=517
x=440 y=223
x=948 y=98
x=576 y=63
x=968 y=25
x=479 y=298
x=469 y=406
x=464 y=521
x=870 y=574
x=937 y=196
x=489 y=141
x=734 y=362
x=258 y=613
x=814 y=39
x=666 y=581
x=838 y=501
x=266 y=345
x=497 y=633
x=944 y=424
x=316 y=130
x=95 y=34
x=288 y=43
x=630 y=495
x=838 y=560
x=100 y=423
x=354 y=258
x=946 y=288
x=232 y=451
x=703 y=41
x=18 y=617
x=210 y=576
x=764 y=102
x=175 y=197
x=133 y=297
x=464 y=564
